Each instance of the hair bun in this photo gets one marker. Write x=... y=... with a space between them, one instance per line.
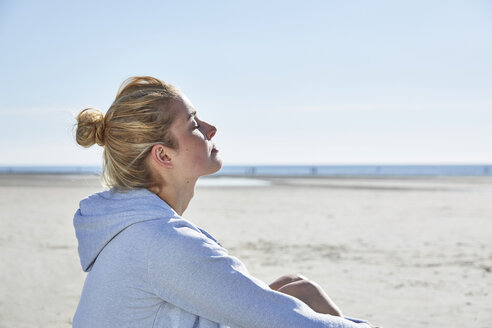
x=90 y=127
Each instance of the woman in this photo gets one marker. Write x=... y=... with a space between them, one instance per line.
x=147 y=265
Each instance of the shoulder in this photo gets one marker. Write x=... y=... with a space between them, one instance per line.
x=179 y=235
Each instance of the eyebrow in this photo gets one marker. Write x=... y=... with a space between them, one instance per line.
x=191 y=115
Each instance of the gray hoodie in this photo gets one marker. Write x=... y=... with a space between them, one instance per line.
x=149 y=267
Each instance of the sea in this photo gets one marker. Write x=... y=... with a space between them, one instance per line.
x=290 y=170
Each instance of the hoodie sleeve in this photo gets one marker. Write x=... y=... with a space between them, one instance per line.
x=191 y=271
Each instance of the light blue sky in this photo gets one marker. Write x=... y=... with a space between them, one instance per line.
x=285 y=82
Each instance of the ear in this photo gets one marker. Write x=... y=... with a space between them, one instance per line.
x=161 y=156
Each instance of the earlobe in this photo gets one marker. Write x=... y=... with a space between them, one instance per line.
x=160 y=156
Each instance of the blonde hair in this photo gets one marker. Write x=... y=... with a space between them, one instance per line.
x=139 y=118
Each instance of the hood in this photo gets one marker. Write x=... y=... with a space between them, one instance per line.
x=103 y=215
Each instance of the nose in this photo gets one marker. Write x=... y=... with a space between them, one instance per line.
x=210 y=130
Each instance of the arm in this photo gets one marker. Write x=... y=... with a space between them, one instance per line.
x=194 y=273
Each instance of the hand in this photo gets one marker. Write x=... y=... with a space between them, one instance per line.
x=308 y=292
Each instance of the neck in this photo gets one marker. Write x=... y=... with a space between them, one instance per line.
x=178 y=195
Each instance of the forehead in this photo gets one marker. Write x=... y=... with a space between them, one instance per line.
x=183 y=108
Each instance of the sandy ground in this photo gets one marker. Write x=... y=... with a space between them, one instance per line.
x=398 y=252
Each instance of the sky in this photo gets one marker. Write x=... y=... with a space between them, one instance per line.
x=284 y=82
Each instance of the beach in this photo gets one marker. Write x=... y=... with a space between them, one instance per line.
x=398 y=252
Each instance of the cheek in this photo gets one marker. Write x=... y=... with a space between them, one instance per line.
x=196 y=150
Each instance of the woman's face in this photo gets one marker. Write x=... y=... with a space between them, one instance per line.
x=196 y=154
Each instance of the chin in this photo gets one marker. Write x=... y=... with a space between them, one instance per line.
x=215 y=166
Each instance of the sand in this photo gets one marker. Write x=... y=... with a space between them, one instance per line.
x=399 y=252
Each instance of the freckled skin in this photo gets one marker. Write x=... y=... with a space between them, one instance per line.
x=178 y=169
x=194 y=154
